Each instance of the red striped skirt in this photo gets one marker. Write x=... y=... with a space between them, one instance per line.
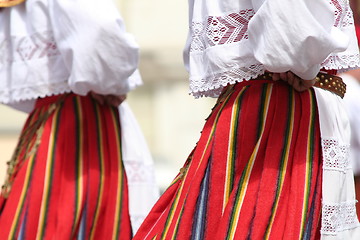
x=254 y=174
x=66 y=179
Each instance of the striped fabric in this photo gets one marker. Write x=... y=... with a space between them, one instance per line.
x=67 y=180
x=254 y=174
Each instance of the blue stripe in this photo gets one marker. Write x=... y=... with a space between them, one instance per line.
x=22 y=227
x=81 y=234
x=201 y=206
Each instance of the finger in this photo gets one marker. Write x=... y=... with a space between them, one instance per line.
x=297 y=84
x=291 y=81
x=283 y=76
x=99 y=98
x=304 y=85
x=115 y=100
x=111 y=100
x=275 y=76
x=290 y=75
x=308 y=83
x=291 y=78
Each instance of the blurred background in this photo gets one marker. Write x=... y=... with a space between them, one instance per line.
x=169 y=117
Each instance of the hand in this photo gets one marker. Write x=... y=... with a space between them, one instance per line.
x=112 y=100
x=297 y=83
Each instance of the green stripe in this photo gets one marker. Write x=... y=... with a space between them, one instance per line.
x=176 y=230
x=121 y=172
x=283 y=158
x=27 y=187
x=262 y=109
x=77 y=157
x=242 y=178
x=235 y=130
x=52 y=163
x=173 y=206
x=311 y=152
x=99 y=142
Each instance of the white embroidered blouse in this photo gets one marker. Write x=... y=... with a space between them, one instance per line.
x=230 y=41
x=50 y=47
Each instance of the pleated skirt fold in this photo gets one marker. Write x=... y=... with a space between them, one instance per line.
x=256 y=172
x=66 y=179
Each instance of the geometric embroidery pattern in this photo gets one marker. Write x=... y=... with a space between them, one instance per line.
x=218 y=30
x=38 y=45
x=343 y=13
x=336 y=155
x=338 y=217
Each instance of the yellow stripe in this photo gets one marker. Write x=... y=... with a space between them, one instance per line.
x=308 y=170
x=101 y=194
x=177 y=223
x=230 y=166
x=186 y=173
x=120 y=178
x=172 y=213
x=213 y=128
x=283 y=173
x=22 y=198
x=248 y=170
x=48 y=169
x=80 y=178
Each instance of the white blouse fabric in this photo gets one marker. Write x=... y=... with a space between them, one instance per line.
x=352 y=103
x=50 y=47
x=230 y=41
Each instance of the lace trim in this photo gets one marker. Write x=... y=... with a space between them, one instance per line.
x=343 y=14
x=336 y=155
x=219 y=30
x=33 y=92
x=342 y=62
x=338 y=217
x=213 y=85
x=38 y=45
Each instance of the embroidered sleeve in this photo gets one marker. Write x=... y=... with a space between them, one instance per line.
x=298 y=35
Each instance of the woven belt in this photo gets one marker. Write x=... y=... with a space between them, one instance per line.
x=325 y=81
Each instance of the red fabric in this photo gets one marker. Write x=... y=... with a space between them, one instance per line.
x=255 y=172
x=73 y=184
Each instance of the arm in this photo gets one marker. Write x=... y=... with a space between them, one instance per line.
x=295 y=35
x=96 y=49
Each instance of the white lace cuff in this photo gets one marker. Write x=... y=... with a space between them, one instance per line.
x=338 y=217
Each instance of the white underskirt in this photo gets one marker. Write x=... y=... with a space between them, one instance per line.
x=139 y=166
x=339 y=220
